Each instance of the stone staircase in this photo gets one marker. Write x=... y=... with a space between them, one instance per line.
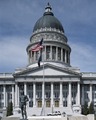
x=44 y=111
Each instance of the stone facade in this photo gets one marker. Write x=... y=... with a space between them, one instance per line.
x=55 y=85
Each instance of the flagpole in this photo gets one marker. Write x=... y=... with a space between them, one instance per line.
x=43 y=83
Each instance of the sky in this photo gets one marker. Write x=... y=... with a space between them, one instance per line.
x=17 y=20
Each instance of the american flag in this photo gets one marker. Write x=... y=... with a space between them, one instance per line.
x=38 y=47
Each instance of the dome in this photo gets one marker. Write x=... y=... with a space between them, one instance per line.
x=48 y=20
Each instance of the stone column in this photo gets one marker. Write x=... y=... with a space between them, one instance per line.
x=34 y=94
x=4 y=88
x=16 y=95
x=52 y=103
x=90 y=93
x=61 y=96
x=78 y=93
x=69 y=97
x=13 y=95
x=82 y=99
x=25 y=88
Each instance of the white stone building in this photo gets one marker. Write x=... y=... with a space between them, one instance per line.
x=55 y=85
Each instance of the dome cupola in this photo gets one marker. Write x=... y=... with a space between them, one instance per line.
x=55 y=47
x=48 y=20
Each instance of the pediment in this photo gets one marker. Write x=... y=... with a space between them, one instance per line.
x=47 y=70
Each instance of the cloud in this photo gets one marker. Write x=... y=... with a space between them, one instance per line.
x=17 y=19
x=18 y=16
x=13 y=53
x=83 y=56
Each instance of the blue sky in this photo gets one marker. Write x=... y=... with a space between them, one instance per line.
x=17 y=19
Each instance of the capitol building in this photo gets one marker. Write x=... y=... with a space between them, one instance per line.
x=54 y=86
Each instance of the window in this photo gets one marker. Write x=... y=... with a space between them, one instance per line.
x=21 y=86
x=56 y=94
x=73 y=94
x=73 y=102
x=86 y=87
x=39 y=95
x=37 y=55
x=57 y=103
x=47 y=94
x=47 y=86
x=1 y=104
x=53 y=53
x=94 y=87
x=39 y=86
x=9 y=88
x=30 y=103
x=30 y=95
x=65 y=86
x=65 y=103
x=9 y=96
x=95 y=95
x=30 y=87
x=86 y=95
x=65 y=94
x=59 y=53
x=67 y=56
x=1 y=88
x=74 y=86
x=1 y=96
x=40 y=103
x=48 y=103
x=29 y=54
x=47 y=52
x=32 y=56
x=63 y=55
x=56 y=86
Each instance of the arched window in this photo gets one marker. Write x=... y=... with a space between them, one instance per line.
x=29 y=54
x=32 y=56
x=47 y=52
x=64 y=55
x=67 y=55
x=59 y=53
x=53 y=53
x=37 y=55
